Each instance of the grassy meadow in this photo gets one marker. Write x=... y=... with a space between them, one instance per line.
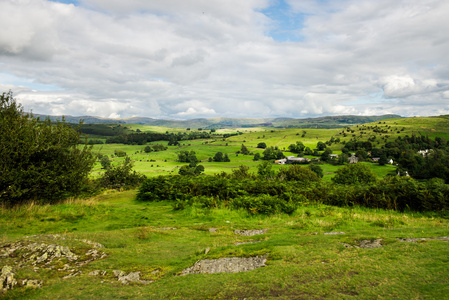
x=303 y=262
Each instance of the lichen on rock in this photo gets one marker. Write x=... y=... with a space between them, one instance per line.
x=226 y=265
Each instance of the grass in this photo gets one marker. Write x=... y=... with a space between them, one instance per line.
x=302 y=261
x=165 y=162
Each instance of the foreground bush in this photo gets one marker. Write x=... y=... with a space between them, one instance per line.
x=267 y=196
x=121 y=177
x=39 y=160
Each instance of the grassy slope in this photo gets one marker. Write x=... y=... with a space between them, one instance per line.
x=302 y=262
x=165 y=161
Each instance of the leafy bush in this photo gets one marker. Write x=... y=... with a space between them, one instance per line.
x=353 y=174
x=298 y=173
x=267 y=196
x=264 y=204
x=121 y=176
x=41 y=160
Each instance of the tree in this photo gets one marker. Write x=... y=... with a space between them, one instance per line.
x=40 y=160
x=264 y=170
x=147 y=149
x=342 y=159
x=105 y=162
x=272 y=153
x=325 y=156
x=120 y=153
x=297 y=173
x=188 y=157
x=262 y=145
x=320 y=146
x=308 y=151
x=218 y=157
x=256 y=157
x=353 y=174
x=244 y=150
x=242 y=172
x=297 y=148
x=317 y=169
x=121 y=176
x=189 y=170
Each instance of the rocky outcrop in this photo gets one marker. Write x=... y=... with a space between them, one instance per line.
x=250 y=232
x=7 y=279
x=48 y=256
x=130 y=277
x=226 y=265
x=415 y=240
x=366 y=244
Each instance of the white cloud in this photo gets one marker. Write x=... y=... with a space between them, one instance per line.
x=168 y=59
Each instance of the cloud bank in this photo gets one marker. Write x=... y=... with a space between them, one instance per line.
x=198 y=58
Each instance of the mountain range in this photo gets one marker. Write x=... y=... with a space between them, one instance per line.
x=209 y=123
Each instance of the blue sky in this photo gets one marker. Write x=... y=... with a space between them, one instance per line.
x=255 y=58
x=287 y=24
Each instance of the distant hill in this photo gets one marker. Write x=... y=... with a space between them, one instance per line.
x=209 y=123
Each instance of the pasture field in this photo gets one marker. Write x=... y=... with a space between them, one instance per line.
x=165 y=162
x=302 y=261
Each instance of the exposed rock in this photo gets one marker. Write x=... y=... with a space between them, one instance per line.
x=212 y=230
x=366 y=244
x=118 y=273
x=94 y=273
x=226 y=265
x=40 y=255
x=93 y=244
x=166 y=228
x=34 y=284
x=249 y=242
x=207 y=250
x=414 y=240
x=73 y=274
x=370 y=244
x=250 y=232
x=7 y=279
x=131 y=277
x=334 y=233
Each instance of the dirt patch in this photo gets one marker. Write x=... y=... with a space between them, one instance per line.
x=250 y=232
x=226 y=265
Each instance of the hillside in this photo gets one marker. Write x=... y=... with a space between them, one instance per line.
x=209 y=123
x=112 y=246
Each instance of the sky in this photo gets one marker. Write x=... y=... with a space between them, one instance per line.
x=184 y=59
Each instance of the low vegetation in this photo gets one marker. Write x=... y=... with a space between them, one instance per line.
x=125 y=210
x=311 y=253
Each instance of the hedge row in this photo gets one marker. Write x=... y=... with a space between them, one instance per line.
x=272 y=196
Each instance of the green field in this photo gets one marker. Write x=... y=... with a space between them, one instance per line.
x=165 y=162
x=160 y=240
x=302 y=262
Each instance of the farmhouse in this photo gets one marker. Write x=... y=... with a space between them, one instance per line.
x=292 y=160
x=425 y=152
x=353 y=159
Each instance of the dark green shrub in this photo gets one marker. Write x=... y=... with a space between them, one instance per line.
x=121 y=177
x=264 y=204
x=353 y=174
x=39 y=160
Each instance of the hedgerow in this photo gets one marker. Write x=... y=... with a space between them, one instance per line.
x=261 y=196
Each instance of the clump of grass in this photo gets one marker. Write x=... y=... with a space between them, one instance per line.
x=143 y=233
